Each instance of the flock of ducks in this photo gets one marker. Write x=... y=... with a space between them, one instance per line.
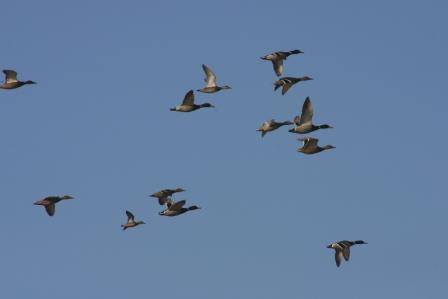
x=303 y=125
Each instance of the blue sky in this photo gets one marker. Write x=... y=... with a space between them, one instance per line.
x=98 y=126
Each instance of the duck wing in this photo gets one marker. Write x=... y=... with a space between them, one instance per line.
x=307 y=112
x=210 y=77
x=338 y=257
x=51 y=208
x=278 y=66
x=309 y=142
x=285 y=88
x=10 y=76
x=130 y=216
x=188 y=99
x=346 y=253
x=177 y=205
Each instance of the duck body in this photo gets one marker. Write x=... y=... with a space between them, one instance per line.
x=188 y=104
x=213 y=89
x=210 y=79
x=50 y=203
x=286 y=82
x=131 y=222
x=342 y=249
x=310 y=146
x=11 y=81
x=277 y=59
x=308 y=128
x=271 y=125
x=177 y=208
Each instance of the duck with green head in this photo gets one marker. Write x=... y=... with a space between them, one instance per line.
x=11 y=81
x=304 y=122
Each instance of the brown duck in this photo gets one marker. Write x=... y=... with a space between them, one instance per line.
x=287 y=82
x=272 y=125
x=50 y=203
x=11 y=81
x=131 y=222
x=342 y=249
x=277 y=59
x=310 y=146
x=176 y=208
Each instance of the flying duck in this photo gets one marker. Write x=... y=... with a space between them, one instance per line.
x=304 y=122
x=210 y=79
x=287 y=82
x=11 y=81
x=50 y=203
x=163 y=195
x=342 y=249
x=176 y=208
x=188 y=104
x=131 y=222
x=277 y=59
x=310 y=146
x=271 y=125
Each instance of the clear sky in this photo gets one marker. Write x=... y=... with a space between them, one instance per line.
x=97 y=126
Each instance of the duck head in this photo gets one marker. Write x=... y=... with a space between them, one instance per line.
x=207 y=105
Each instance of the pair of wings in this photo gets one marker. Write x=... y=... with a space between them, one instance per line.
x=307 y=113
x=10 y=76
x=342 y=254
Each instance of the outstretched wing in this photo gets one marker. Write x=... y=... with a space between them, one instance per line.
x=338 y=257
x=189 y=98
x=210 y=77
x=177 y=205
x=346 y=253
x=307 y=111
x=278 y=66
x=309 y=143
x=10 y=76
x=285 y=88
x=50 y=209
x=130 y=216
